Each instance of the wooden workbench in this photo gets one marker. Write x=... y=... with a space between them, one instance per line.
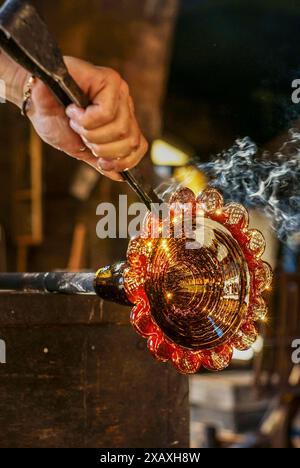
x=77 y=375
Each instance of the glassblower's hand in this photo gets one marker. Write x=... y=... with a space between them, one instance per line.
x=106 y=135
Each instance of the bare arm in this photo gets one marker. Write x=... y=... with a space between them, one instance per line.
x=107 y=129
x=14 y=78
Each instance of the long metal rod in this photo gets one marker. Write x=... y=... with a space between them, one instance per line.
x=60 y=282
x=150 y=199
x=107 y=283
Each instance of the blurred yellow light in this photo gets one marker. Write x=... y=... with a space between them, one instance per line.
x=191 y=177
x=243 y=355
x=164 y=154
x=249 y=353
x=258 y=345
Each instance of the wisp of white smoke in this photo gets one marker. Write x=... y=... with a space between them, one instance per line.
x=269 y=181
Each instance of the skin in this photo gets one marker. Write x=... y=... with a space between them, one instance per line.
x=106 y=135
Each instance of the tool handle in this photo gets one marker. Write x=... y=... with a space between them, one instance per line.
x=70 y=93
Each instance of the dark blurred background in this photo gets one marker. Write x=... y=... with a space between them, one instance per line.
x=232 y=66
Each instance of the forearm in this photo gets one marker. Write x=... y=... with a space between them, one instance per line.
x=14 y=77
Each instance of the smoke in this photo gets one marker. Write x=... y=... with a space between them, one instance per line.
x=166 y=189
x=269 y=181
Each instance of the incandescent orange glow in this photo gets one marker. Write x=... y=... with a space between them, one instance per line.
x=195 y=306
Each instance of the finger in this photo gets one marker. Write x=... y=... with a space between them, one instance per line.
x=104 y=105
x=116 y=176
x=67 y=140
x=90 y=159
x=133 y=159
x=115 y=131
x=125 y=163
x=118 y=149
x=131 y=106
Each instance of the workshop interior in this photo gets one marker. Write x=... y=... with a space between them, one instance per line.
x=184 y=335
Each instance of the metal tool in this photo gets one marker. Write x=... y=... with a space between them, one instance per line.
x=25 y=37
x=107 y=282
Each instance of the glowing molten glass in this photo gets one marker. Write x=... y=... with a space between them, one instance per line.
x=196 y=305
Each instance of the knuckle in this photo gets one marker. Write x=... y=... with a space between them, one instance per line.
x=123 y=153
x=124 y=87
x=131 y=105
x=134 y=141
x=112 y=74
x=85 y=122
x=145 y=145
x=124 y=129
x=108 y=114
x=121 y=165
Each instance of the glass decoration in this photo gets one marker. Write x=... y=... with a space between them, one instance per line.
x=195 y=305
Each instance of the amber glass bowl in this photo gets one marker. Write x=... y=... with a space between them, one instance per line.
x=197 y=291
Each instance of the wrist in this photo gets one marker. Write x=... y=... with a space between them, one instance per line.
x=18 y=86
x=15 y=78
